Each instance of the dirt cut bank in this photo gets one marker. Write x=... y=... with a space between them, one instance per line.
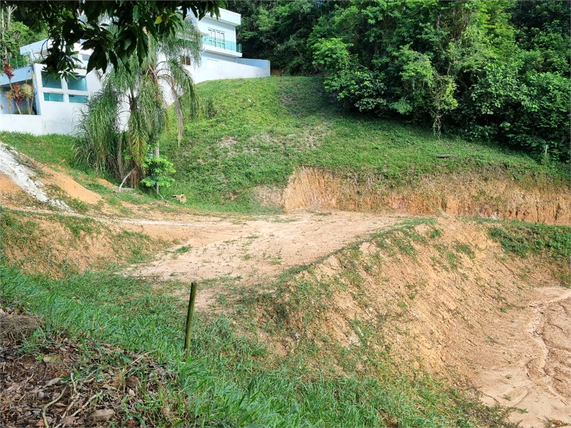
x=313 y=188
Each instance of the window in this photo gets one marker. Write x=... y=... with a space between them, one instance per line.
x=80 y=99
x=217 y=38
x=49 y=81
x=53 y=97
x=185 y=60
x=77 y=84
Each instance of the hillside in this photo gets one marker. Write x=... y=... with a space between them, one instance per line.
x=347 y=276
x=281 y=143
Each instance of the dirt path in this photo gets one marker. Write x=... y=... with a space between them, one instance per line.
x=532 y=370
x=254 y=250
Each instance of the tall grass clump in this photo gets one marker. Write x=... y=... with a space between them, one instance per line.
x=98 y=142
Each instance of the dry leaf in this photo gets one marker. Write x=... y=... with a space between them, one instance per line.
x=52 y=359
x=68 y=420
x=53 y=381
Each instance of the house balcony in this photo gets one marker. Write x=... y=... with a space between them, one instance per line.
x=20 y=61
x=222 y=46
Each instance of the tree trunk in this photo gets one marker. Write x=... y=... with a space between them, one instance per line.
x=120 y=156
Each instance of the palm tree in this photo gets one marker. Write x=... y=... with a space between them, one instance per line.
x=132 y=104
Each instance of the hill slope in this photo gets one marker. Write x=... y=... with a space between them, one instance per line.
x=281 y=143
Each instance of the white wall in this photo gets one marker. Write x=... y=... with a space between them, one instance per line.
x=32 y=124
x=262 y=63
x=215 y=67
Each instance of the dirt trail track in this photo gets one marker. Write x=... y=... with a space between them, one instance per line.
x=254 y=250
x=528 y=365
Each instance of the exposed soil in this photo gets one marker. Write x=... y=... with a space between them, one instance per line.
x=312 y=188
x=501 y=323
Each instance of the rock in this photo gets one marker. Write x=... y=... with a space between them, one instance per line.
x=102 y=415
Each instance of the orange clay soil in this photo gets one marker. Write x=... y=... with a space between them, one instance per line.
x=501 y=323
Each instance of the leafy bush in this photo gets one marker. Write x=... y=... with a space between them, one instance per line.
x=159 y=171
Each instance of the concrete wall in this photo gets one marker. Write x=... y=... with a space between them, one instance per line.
x=35 y=125
x=214 y=67
x=261 y=63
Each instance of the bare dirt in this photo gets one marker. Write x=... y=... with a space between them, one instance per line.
x=312 y=188
x=502 y=324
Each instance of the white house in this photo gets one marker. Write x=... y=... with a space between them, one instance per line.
x=57 y=102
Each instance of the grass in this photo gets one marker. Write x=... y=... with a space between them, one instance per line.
x=231 y=378
x=525 y=239
x=53 y=149
x=269 y=127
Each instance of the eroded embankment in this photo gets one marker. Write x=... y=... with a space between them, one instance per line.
x=446 y=297
x=313 y=188
x=55 y=245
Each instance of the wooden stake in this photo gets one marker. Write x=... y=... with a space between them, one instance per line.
x=193 y=288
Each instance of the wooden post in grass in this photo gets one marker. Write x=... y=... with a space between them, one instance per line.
x=193 y=288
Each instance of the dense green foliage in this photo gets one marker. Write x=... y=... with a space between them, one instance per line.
x=14 y=33
x=493 y=70
x=71 y=22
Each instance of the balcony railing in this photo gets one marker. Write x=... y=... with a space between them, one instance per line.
x=222 y=44
x=19 y=61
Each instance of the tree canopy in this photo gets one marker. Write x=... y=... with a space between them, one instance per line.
x=115 y=30
x=488 y=69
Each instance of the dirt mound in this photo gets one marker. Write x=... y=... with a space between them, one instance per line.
x=312 y=188
x=55 y=244
x=451 y=301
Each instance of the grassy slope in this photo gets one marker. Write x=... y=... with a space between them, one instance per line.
x=255 y=132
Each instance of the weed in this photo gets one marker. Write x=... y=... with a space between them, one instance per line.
x=77 y=225
x=464 y=249
x=525 y=239
x=183 y=249
x=435 y=233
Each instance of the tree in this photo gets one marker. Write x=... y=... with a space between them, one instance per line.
x=14 y=33
x=137 y=92
x=121 y=36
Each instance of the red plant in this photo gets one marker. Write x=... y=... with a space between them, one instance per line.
x=8 y=71
x=15 y=89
